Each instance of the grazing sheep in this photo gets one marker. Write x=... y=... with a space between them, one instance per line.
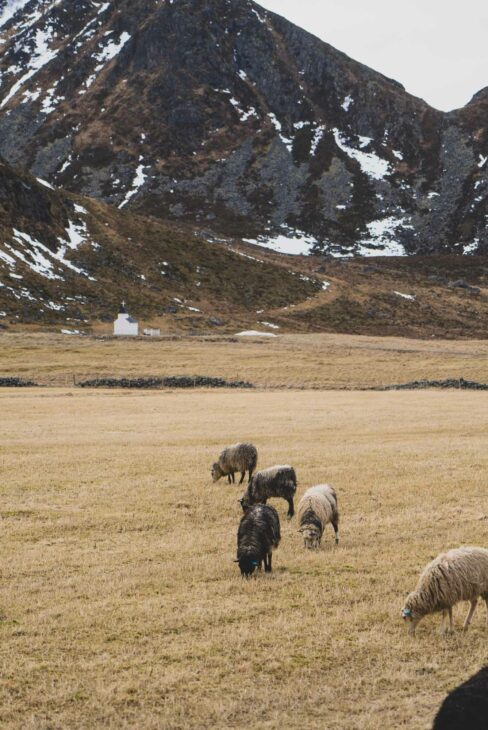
x=458 y=575
x=466 y=707
x=316 y=509
x=240 y=457
x=257 y=537
x=277 y=481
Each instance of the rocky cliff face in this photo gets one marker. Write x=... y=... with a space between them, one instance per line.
x=219 y=113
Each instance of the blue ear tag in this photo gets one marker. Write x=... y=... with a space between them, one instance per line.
x=254 y=563
x=406 y=612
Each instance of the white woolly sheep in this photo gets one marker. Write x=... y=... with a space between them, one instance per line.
x=236 y=458
x=316 y=509
x=458 y=575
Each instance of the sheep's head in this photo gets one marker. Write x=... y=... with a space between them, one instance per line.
x=311 y=536
x=411 y=615
x=247 y=565
x=245 y=502
x=216 y=472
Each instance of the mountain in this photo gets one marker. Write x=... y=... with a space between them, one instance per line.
x=66 y=260
x=226 y=117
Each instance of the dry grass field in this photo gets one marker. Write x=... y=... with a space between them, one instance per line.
x=121 y=606
x=295 y=361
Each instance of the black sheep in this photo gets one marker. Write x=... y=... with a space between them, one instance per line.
x=276 y=481
x=257 y=537
x=466 y=707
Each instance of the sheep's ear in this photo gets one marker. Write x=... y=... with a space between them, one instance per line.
x=235 y=561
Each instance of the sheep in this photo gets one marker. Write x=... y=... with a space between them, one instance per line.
x=240 y=457
x=276 y=481
x=466 y=706
x=316 y=509
x=458 y=575
x=258 y=535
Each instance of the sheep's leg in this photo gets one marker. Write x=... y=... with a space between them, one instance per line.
x=250 y=475
x=229 y=479
x=451 y=622
x=243 y=474
x=486 y=601
x=268 y=567
x=470 y=614
x=291 y=510
x=336 y=530
x=444 y=629
x=233 y=477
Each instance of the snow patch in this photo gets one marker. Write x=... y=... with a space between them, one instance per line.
x=12 y=7
x=295 y=244
x=137 y=183
x=113 y=49
x=278 y=126
x=36 y=257
x=254 y=333
x=243 y=115
x=80 y=209
x=411 y=297
x=319 y=133
x=45 y=183
x=471 y=247
x=348 y=100
x=382 y=234
x=40 y=56
x=370 y=163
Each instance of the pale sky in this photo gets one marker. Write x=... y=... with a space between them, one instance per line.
x=438 y=49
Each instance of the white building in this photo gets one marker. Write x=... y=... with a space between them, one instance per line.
x=125 y=325
x=152 y=332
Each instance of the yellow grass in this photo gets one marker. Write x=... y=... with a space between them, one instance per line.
x=310 y=361
x=120 y=603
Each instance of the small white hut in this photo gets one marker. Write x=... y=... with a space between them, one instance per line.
x=125 y=325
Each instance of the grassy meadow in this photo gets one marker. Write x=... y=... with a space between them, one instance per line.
x=121 y=606
x=288 y=361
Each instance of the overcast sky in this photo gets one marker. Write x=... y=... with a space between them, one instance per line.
x=438 y=49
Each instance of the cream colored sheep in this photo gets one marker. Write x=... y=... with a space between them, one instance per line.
x=458 y=575
x=318 y=508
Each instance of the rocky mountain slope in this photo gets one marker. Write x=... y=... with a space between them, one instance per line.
x=69 y=261
x=222 y=115
x=66 y=262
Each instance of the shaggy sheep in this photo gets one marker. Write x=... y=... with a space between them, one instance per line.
x=458 y=575
x=277 y=481
x=466 y=707
x=257 y=537
x=240 y=457
x=316 y=509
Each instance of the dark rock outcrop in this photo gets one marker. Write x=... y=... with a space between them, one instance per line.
x=182 y=381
